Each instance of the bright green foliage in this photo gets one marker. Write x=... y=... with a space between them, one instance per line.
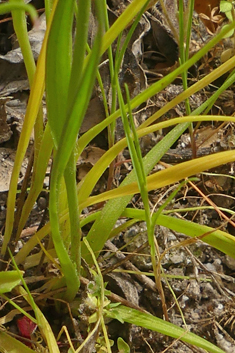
x=227 y=8
x=20 y=7
x=122 y=346
x=67 y=72
x=68 y=92
x=155 y=324
x=9 y=280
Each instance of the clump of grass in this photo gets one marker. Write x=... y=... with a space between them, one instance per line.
x=66 y=71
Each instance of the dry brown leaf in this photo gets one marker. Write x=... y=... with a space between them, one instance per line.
x=208 y=11
x=204 y=6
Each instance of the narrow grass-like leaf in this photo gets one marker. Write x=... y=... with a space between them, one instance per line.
x=21 y=31
x=42 y=323
x=153 y=323
x=38 y=177
x=114 y=208
x=111 y=210
x=107 y=158
x=58 y=71
x=18 y=6
x=10 y=344
x=48 y=8
x=167 y=176
x=58 y=67
x=70 y=171
x=122 y=22
x=137 y=161
x=46 y=331
x=190 y=9
x=20 y=27
x=35 y=98
x=40 y=319
x=77 y=71
x=158 y=86
x=74 y=113
x=225 y=241
x=92 y=177
x=216 y=238
x=102 y=227
x=162 y=178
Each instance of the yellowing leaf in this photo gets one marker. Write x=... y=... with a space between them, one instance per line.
x=11 y=345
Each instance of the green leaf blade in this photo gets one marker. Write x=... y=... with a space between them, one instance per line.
x=58 y=67
x=153 y=323
x=9 y=280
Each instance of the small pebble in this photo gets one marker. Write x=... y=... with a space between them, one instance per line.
x=42 y=203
